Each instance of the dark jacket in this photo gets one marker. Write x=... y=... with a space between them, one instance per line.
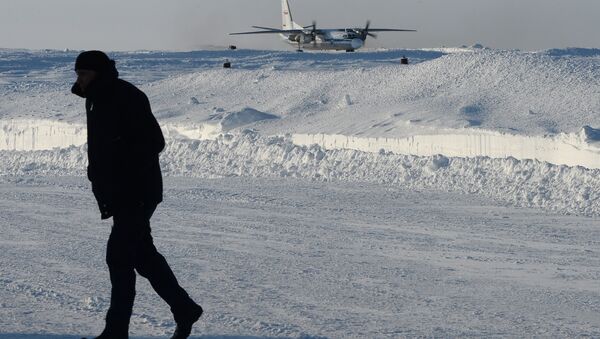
x=124 y=140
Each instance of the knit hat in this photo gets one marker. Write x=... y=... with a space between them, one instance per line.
x=94 y=61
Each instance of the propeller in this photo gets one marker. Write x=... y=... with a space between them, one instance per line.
x=365 y=31
x=313 y=32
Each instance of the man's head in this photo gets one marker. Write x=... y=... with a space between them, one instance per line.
x=85 y=78
x=90 y=65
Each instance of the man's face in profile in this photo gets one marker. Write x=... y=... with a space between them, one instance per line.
x=85 y=77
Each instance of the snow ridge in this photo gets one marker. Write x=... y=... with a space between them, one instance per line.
x=486 y=100
x=526 y=183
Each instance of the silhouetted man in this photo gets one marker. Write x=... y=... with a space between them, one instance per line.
x=124 y=141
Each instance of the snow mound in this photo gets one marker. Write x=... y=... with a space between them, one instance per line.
x=470 y=107
x=590 y=135
x=244 y=117
x=573 y=52
x=28 y=135
x=527 y=183
x=514 y=92
x=478 y=46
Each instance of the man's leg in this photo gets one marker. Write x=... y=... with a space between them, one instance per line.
x=152 y=265
x=120 y=254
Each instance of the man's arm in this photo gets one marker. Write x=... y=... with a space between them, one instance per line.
x=146 y=137
x=137 y=148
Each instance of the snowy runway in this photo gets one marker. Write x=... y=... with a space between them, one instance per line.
x=295 y=258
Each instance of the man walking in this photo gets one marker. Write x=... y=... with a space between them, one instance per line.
x=124 y=142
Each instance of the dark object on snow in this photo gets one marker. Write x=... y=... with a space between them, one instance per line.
x=227 y=64
x=185 y=322
x=130 y=246
x=232 y=47
x=404 y=61
x=94 y=61
x=124 y=142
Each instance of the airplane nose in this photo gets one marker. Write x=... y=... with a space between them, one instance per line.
x=356 y=43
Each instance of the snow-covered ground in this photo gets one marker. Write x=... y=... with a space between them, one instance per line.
x=295 y=258
x=321 y=194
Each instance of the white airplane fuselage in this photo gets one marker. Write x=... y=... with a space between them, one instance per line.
x=332 y=40
x=348 y=40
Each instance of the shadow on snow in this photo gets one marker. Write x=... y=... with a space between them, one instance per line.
x=63 y=336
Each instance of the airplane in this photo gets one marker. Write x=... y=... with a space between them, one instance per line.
x=311 y=38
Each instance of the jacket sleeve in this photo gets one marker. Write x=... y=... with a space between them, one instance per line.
x=144 y=134
x=137 y=149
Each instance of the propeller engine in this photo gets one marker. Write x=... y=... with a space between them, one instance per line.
x=303 y=38
x=357 y=43
x=365 y=32
x=313 y=32
x=307 y=36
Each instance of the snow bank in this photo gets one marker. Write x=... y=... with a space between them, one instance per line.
x=525 y=183
x=219 y=123
x=573 y=52
x=33 y=135
x=439 y=122
x=36 y=135
x=582 y=149
x=529 y=94
x=244 y=117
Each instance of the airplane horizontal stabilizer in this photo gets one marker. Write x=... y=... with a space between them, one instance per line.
x=267 y=28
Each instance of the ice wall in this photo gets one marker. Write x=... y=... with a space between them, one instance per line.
x=571 y=150
x=521 y=183
x=37 y=135
x=582 y=149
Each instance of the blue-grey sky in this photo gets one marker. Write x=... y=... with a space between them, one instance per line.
x=194 y=24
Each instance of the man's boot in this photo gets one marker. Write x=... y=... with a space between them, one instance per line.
x=185 y=320
x=117 y=326
x=108 y=334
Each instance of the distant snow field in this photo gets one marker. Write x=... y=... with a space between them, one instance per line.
x=520 y=127
x=489 y=129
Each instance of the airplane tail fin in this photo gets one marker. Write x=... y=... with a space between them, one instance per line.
x=288 y=22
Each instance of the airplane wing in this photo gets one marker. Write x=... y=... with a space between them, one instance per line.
x=272 y=31
x=378 y=30
x=390 y=30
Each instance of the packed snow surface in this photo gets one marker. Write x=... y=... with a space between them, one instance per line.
x=291 y=258
x=321 y=194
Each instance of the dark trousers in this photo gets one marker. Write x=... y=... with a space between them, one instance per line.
x=130 y=249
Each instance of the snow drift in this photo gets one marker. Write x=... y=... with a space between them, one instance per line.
x=526 y=183
x=519 y=127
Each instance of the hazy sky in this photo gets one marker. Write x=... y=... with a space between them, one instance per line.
x=193 y=24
